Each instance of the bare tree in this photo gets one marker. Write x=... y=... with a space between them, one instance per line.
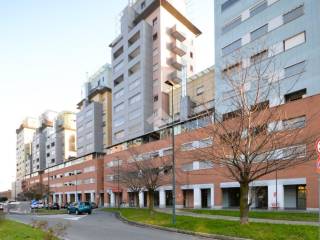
x=251 y=140
x=146 y=171
x=36 y=191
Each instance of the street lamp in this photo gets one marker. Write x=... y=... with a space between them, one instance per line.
x=76 y=173
x=171 y=84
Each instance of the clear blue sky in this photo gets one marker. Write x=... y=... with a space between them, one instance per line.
x=46 y=48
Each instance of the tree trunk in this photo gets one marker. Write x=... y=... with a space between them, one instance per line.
x=244 y=204
x=138 y=201
x=151 y=199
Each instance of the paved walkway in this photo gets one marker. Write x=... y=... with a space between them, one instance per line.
x=260 y=220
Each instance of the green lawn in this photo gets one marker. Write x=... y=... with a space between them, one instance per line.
x=44 y=211
x=256 y=231
x=10 y=230
x=276 y=215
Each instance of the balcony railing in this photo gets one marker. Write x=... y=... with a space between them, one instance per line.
x=176 y=62
x=176 y=77
x=177 y=34
x=178 y=48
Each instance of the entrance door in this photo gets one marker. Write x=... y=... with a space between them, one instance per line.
x=205 y=195
x=301 y=197
x=188 y=198
x=156 y=198
x=145 y=199
x=168 y=198
x=261 y=197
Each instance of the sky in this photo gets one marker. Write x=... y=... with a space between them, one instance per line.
x=46 y=49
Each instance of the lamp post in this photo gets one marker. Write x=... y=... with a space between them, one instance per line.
x=76 y=173
x=171 y=84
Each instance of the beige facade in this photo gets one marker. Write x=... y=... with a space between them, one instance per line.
x=200 y=91
x=23 y=147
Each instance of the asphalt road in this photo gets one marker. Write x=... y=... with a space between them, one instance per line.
x=103 y=226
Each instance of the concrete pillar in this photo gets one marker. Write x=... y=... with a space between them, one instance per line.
x=197 y=197
x=272 y=195
x=162 y=198
x=113 y=200
x=92 y=197
x=68 y=197
x=60 y=198
x=54 y=200
x=212 y=197
x=141 y=199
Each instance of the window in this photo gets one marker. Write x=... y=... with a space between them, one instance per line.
x=232 y=24
x=191 y=54
x=228 y=4
x=295 y=95
x=154 y=21
x=134 y=128
x=258 y=57
x=294 y=69
x=118 y=122
x=134 y=114
x=258 y=8
x=143 y=5
x=135 y=98
x=298 y=151
x=232 y=68
x=187 y=167
x=119 y=93
x=117 y=53
x=155 y=67
x=155 y=52
x=134 y=84
x=200 y=90
x=205 y=164
x=118 y=80
x=119 y=107
x=52 y=144
x=294 y=123
x=191 y=68
x=259 y=32
x=260 y=106
x=52 y=160
x=232 y=114
x=294 y=41
x=119 y=134
x=155 y=36
x=231 y=47
x=48 y=154
x=293 y=14
x=118 y=66
x=155 y=98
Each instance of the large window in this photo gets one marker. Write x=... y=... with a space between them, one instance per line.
x=231 y=25
x=295 y=95
x=231 y=47
x=118 y=122
x=135 y=98
x=134 y=114
x=294 y=69
x=259 y=32
x=119 y=107
x=118 y=66
x=293 y=14
x=227 y=4
x=294 y=123
x=294 y=41
x=119 y=93
x=134 y=84
x=258 y=8
x=119 y=134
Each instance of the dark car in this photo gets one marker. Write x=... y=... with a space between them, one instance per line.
x=80 y=207
x=94 y=205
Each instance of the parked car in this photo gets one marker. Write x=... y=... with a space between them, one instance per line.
x=36 y=204
x=80 y=207
x=1 y=206
x=94 y=205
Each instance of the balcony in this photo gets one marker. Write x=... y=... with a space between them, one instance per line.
x=177 y=34
x=176 y=77
x=176 y=62
x=178 y=48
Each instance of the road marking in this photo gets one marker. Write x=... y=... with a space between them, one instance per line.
x=63 y=216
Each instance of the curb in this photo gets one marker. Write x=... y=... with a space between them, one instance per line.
x=206 y=235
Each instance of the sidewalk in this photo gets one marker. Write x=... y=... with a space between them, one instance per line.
x=228 y=218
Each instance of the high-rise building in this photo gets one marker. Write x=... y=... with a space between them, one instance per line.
x=94 y=117
x=156 y=44
x=24 y=134
x=39 y=143
x=285 y=30
x=61 y=144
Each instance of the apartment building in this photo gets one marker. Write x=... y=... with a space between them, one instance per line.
x=24 y=135
x=196 y=97
x=156 y=44
x=285 y=30
x=94 y=118
x=202 y=184
x=44 y=130
x=61 y=144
